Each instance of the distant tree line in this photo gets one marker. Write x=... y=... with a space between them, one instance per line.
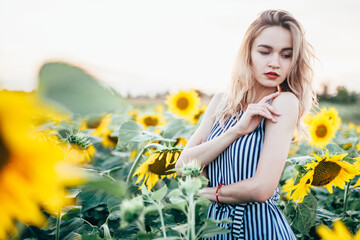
x=342 y=96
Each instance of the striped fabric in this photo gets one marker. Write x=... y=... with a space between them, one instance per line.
x=250 y=221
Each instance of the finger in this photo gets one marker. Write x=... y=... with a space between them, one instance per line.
x=268 y=97
x=266 y=113
x=263 y=112
x=271 y=109
x=269 y=115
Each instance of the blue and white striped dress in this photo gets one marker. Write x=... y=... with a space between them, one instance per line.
x=254 y=220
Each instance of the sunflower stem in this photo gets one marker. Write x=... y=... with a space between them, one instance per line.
x=58 y=219
x=162 y=221
x=135 y=164
x=191 y=218
x=346 y=194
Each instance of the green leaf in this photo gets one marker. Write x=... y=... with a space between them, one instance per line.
x=204 y=181
x=210 y=229
x=181 y=228
x=71 y=213
x=151 y=209
x=115 y=188
x=305 y=215
x=159 y=194
x=75 y=90
x=128 y=131
x=178 y=128
x=179 y=205
x=175 y=193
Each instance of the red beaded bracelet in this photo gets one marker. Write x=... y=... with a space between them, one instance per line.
x=217 y=193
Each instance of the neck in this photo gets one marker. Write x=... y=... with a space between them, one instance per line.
x=260 y=92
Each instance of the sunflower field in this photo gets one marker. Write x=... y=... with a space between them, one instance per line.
x=79 y=162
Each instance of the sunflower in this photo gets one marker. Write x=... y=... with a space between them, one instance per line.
x=347 y=146
x=78 y=148
x=357 y=164
x=148 y=120
x=181 y=141
x=30 y=175
x=102 y=130
x=340 y=231
x=132 y=155
x=195 y=118
x=157 y=166
x=322 y=130
x=287 y=187
x=326 y=172
x=159 y=108
x=133 y=113
x=293 y=149
x=183 y=103
x=45 y=113
x=333 y=115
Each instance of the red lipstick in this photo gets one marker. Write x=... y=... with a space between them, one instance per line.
x=271 y=75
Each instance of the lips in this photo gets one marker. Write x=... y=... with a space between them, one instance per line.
x=271 y=75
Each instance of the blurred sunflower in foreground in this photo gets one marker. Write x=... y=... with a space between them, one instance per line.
x=323 y=126
x=325 y=171
x=183 y=103
x=340 y=231
x=32 y=171
x=157 y=166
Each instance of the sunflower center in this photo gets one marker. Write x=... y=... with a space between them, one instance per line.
x=4 y=154
x=324 y=173
x=159 y=166
x=151 y=121
x=182 y=103
x=113 y=139
x=321 y=131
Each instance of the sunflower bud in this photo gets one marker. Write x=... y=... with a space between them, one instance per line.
x=79 y=139
x=131 y=209
x=192 y=169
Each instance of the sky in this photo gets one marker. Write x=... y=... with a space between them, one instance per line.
x=153 y=46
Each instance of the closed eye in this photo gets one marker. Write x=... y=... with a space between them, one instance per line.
x=264 y=53
x=286 y=56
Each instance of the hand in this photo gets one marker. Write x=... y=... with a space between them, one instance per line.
x=254 y=113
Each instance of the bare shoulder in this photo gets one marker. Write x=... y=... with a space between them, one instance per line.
x=216 y=99
x=287 y=103
x=218 y=96
x=207 y=121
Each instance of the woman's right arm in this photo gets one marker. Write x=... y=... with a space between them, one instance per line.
x=202 y=151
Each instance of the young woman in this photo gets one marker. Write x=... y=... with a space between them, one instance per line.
x=245 y=135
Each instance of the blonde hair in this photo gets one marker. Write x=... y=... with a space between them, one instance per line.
x=240 y=90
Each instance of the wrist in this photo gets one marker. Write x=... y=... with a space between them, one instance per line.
x=235 y=132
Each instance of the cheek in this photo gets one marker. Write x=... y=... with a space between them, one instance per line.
x=256 y=64
x=287 y=66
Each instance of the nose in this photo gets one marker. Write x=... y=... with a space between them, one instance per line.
x=274 y=61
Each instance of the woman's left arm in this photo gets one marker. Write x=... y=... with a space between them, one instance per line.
x=278 y=136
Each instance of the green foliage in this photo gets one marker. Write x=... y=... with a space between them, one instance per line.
x=302 y=215
x=111 y=206
x=75 y=90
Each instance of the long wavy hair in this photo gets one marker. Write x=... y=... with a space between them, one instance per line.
x=240 y=90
